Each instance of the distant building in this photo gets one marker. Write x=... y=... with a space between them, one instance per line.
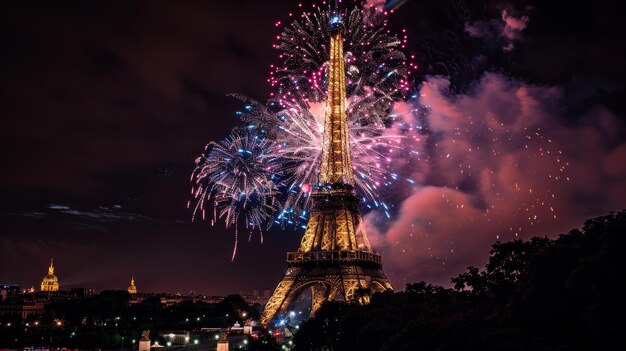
x=9 y=290
x=132 y=289
x=50 y=281
x=236 y=328
x=168 y=300
x=22 y=309
x=82 y=292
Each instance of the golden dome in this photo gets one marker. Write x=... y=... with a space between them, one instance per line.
x=132 y=289
x=50 y=281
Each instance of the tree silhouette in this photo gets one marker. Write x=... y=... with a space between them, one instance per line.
x=539 y=294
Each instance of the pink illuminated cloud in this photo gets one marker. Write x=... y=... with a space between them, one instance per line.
x=503 y=165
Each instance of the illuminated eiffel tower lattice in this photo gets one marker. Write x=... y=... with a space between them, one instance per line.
x=334 y=257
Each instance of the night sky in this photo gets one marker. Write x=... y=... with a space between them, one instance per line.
x=105 y=105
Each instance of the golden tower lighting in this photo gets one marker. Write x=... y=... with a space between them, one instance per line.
x=50 y=282
x=334 y=256
x=132 y=289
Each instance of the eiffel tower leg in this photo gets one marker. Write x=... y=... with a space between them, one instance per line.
x=280 y=298
x=383 y=282
x=332 y=293
x=319 y=294
x=350 y=287
x=379 y=281
x=354 y=279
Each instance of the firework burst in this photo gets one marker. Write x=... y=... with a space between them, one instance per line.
x=234 y=178
x=376 y=68
x=265 y=171
x=298 y=134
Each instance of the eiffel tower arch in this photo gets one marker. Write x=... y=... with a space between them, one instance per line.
x=334 y=256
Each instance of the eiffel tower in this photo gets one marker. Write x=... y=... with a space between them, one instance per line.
x=334 y=256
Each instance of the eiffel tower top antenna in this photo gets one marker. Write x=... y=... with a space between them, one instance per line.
x=336 y=166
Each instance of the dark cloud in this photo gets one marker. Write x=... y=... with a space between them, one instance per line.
x=504 y=31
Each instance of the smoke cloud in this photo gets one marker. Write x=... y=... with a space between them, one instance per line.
x=503 y=163
x=504 y=31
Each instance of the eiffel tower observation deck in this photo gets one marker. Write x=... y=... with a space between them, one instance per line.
x=334 y=258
